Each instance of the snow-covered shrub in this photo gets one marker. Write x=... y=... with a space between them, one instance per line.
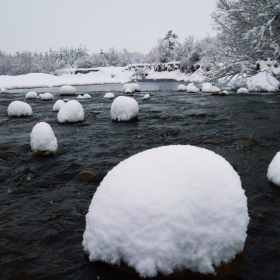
x=19 y=109
x=46 y=96
x=242 y=90
x=130 y=88
x=72 y=111
x=109 y=95
x=166 y=209
x=85 y=96
x=181 y=87
x=43 y=140
x=57 y=105
x=192 y=88
x=31 y=94
x=146 y=96
x=273 y=172
x=124 y=108
x=67 y=90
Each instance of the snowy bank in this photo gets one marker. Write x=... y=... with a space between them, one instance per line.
x=168 y=209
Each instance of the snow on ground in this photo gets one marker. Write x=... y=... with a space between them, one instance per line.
x=168 y=208
x=43 y=138
x=109 y=95
x=72 y=111
x=273 y=173
x=31 y=94
x=19 y=109
x=57 y=105
x=124 y=108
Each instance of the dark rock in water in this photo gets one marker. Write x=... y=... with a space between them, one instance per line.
x=225 y=271
x=156 y=111
x=200 y=115
x=5 y=147
x=211 y=142
x=163 y=117
x=86 y=177
x=243 y=143
x=222 y=93
x=131 y=120
x=45 y=153
x=82 y=124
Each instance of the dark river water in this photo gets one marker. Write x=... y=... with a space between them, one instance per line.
x=42 y=212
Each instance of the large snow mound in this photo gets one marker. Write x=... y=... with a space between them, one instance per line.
x=31 y=94
x=263 y=81
x=19 y=109
x=43 y=138
x=166 y=209
x=57 y=105
x=72 y=111
x=67 y=90
x=124 y=108
x=273 y=172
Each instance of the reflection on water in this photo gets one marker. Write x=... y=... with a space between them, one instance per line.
x=42 y=213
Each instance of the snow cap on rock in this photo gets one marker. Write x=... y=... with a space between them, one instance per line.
x=124 y=108
x=273 y=172
x=57 y=105
x=19 y=109
x=109 y=95
x=181 y=87
x=72 y=111
x=43 y=139
x=166 y=209
x=67 y=90
x=46 y=96
x=31 y=94
x=191 y=88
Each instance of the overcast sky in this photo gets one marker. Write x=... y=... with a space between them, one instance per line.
x=37 y=25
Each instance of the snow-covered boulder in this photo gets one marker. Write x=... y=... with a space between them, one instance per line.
x=273 y=172
x=146 y=96
x=3 y=90
x=124 y=108
x=67 y=90
x=57 y=105
x=72 y=111
x=19 y=109
x=84 y=96
x=181 y=88
x=109 y=95
x=242 y=90
x=262 y=81
x=42 y=139
x=191 y=88
x=31 y=94
x=208 y=87
x=47 y=96
x=167 y=209
x=130 y=88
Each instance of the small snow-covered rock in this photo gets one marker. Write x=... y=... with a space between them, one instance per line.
x=146 y=96
x=57 y=105
x=67 y=90
x=273 y=172
x=181 y=88
x=43 y=140
x=124 y=108
x=19 y=109
x=130 y=88
x=46 y=96
x=109 y=95
x=3 y=90
x=31 y=94
x=179 y=212
x=208 y=87
x=84 y=96
x=243 y=90
x=192 y=88
x=72 y=111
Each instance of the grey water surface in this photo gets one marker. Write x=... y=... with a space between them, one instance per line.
x=42 y=212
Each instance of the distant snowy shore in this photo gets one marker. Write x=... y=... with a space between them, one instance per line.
x=262 y=81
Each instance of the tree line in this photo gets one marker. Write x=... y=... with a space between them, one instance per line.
x=247 y=32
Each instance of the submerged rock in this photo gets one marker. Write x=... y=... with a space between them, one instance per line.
x=86 y=177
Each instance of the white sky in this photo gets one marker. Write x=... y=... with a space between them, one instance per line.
x=37 y=25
